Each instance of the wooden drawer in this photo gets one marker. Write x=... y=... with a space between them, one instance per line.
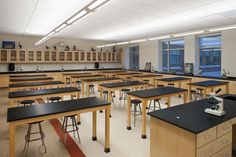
x=224 y=128
x=215 y=146
x=226 y=152
x=206 y=137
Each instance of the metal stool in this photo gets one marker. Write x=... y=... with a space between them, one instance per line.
x=29 y=133
x=197 y=94
x=65 y=125
x=136 y=112
x=171 y=85
x=150 y=108
x=79 y=84
x=68 y=81
x=54 y=99
x=91 y=88
x=123 y=95
x=27 y=102
x=105 y=95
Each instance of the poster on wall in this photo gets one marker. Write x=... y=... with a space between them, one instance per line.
x=8 y=44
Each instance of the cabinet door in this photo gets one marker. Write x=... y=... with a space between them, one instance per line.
x=46 y=56
x=13 y=55
x=22 y=56
x=39 y=56
x=109 y=56
x=104 y=56
x=76 y=56
x=82 y=56
x=54 y=56
x=61 y=56
x=3 y=56
x=118 y=57
x=113 y=57
x=30 y=56
x=99 y=56
x=69 y=56
x=88 y=56
x=94 y=56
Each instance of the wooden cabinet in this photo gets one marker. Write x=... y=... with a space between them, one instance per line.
x=27 y=56
x=61 y=56
x=112 y=56
x=22 y=56
x=99 y=57
x=82 y=56
x=88 y=56
x=13 y=55
x=31 y=56
x=104 y=56
x=109 y=56
x=69 y=56
x=46 y=56
x=3 y=57
x=39 y=56
x=214 y=142
x=53 y=56
x=94 y=56
x=76 y=56
x=118 y=57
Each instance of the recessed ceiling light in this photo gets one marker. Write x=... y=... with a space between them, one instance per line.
x=137 y=41
x=123 y=43
x=188 y=33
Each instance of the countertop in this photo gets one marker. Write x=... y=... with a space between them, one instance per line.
x=191 y=116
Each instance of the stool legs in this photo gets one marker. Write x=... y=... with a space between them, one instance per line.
x=28 y=137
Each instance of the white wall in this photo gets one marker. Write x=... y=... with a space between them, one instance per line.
x=28 y=44
x=150 y=51
x=229 y=51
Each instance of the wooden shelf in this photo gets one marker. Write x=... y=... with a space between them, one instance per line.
x=31 y=56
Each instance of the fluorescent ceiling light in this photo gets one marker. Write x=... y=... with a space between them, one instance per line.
x=96 y=4
x=60 y=27
x=101 y=46
x=137 y=41
x=223 y=28
x=50 y=34
x=76 y=17
x=123 y=43
x=158 y=38
x=189 y=33
x=110 y=45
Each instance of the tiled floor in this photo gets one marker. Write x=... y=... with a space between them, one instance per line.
x=124 y=143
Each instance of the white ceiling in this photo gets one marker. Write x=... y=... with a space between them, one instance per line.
x=117 y=21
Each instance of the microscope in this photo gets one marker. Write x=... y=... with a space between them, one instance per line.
x=218 y=108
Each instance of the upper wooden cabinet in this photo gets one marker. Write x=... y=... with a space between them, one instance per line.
x=30 y=56
x=3 y=57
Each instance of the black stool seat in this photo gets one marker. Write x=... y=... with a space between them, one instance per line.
x=146 y=80
x=171 y=84
x=193 y=91
x=57 y=98
x=78 y=81
x=91 y=85
x=25 y=102
x=106 y=92
x=136 y=101
x=157 y=99
x=125 y=90
x=160 y=86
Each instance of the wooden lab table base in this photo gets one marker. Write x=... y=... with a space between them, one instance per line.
x=14 y=124
x=145 y=105
x=12 y=89
x=86 y=84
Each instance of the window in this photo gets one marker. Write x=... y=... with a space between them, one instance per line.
x=134 y=57
x=210 y=55
x=173 y=56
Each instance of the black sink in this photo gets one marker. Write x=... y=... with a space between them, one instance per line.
x=230 y=97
